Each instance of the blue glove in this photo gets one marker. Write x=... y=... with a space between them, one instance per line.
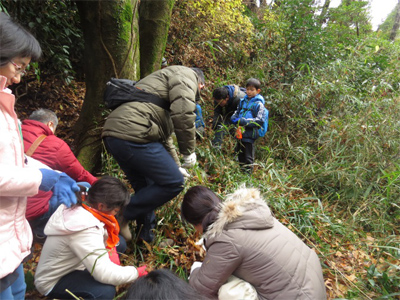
x=243 y=121
x=235 y=120
x=49 y=179
x=64 y=192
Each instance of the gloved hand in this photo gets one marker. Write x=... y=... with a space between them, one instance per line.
x=189 y=160
x=243 y=121
x=142 y=271
x=235 y=120
x=49 y=179
x=184 y=172
x=64 y=192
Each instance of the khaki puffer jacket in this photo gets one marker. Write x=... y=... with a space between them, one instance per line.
x=248 y=242
x=143 y=122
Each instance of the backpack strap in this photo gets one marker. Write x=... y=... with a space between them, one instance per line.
x=119 y=91
x=253 y=107
x=35 y=144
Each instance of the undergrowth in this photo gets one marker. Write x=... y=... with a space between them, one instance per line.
x=328 y=168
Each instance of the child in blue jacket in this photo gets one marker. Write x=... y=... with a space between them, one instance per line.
x=250 y=116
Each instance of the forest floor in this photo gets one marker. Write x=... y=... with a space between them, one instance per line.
x=343 y=260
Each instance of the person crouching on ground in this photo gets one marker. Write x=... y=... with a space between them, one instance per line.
x=75 y=257
x=242 y=238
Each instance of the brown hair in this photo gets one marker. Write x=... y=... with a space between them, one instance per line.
x=200 y=205
x=108 y=190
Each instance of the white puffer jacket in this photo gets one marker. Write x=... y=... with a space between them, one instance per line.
x=76 y=241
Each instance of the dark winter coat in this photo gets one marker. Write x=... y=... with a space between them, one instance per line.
x=223 y=114
x=248 y=242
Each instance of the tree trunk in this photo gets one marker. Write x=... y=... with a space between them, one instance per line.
x=111 y=50
x=154 y=21
x=252 y=5
x=396 y=24
x=324 y=12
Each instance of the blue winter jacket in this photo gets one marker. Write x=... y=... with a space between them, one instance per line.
x=250 y=114
x=199 y=122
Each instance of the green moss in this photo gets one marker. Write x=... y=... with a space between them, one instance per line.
x=87 y=153
x=127 y=13
x=127 y=16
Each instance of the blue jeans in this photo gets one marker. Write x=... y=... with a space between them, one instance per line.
x=152 y=172
x=16 y=291
x=82 y=284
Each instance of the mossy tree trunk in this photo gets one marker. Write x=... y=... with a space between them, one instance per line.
x=396 y=23
x=154 y=21
x=110 y=30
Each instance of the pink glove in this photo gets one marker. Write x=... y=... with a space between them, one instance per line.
x=142 y=271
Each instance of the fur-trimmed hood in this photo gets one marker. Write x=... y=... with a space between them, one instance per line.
x=244 y=209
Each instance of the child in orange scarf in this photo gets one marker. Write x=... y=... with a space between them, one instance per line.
x=74 y=255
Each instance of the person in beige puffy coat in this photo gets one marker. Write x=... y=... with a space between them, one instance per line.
x=242 y=238
x=139 y=136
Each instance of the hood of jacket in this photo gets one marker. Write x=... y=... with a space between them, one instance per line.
x=66 y=221
x=235 y=94
x=244 y=209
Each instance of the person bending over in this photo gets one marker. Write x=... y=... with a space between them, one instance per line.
x=242 y=238
x=138 y=134
x=226 y=100
x=41 y=143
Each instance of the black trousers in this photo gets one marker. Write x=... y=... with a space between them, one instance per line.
x=245 y=152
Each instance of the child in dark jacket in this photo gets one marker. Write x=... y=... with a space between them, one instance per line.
x=249 y=116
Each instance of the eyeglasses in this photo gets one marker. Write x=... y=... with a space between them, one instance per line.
x=18 y=69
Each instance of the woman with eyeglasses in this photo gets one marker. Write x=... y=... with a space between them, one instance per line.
x=17 y=181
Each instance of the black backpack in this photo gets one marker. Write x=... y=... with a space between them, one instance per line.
x=119 y=91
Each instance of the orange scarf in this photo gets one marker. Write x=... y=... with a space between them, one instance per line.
x=110 y=224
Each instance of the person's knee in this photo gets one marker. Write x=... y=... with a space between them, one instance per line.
x=177 y=185
x=172 y=189
x=107 y=291
x=98 y=292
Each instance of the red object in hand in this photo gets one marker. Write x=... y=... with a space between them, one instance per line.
x=142 y=271
x=239 y=133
